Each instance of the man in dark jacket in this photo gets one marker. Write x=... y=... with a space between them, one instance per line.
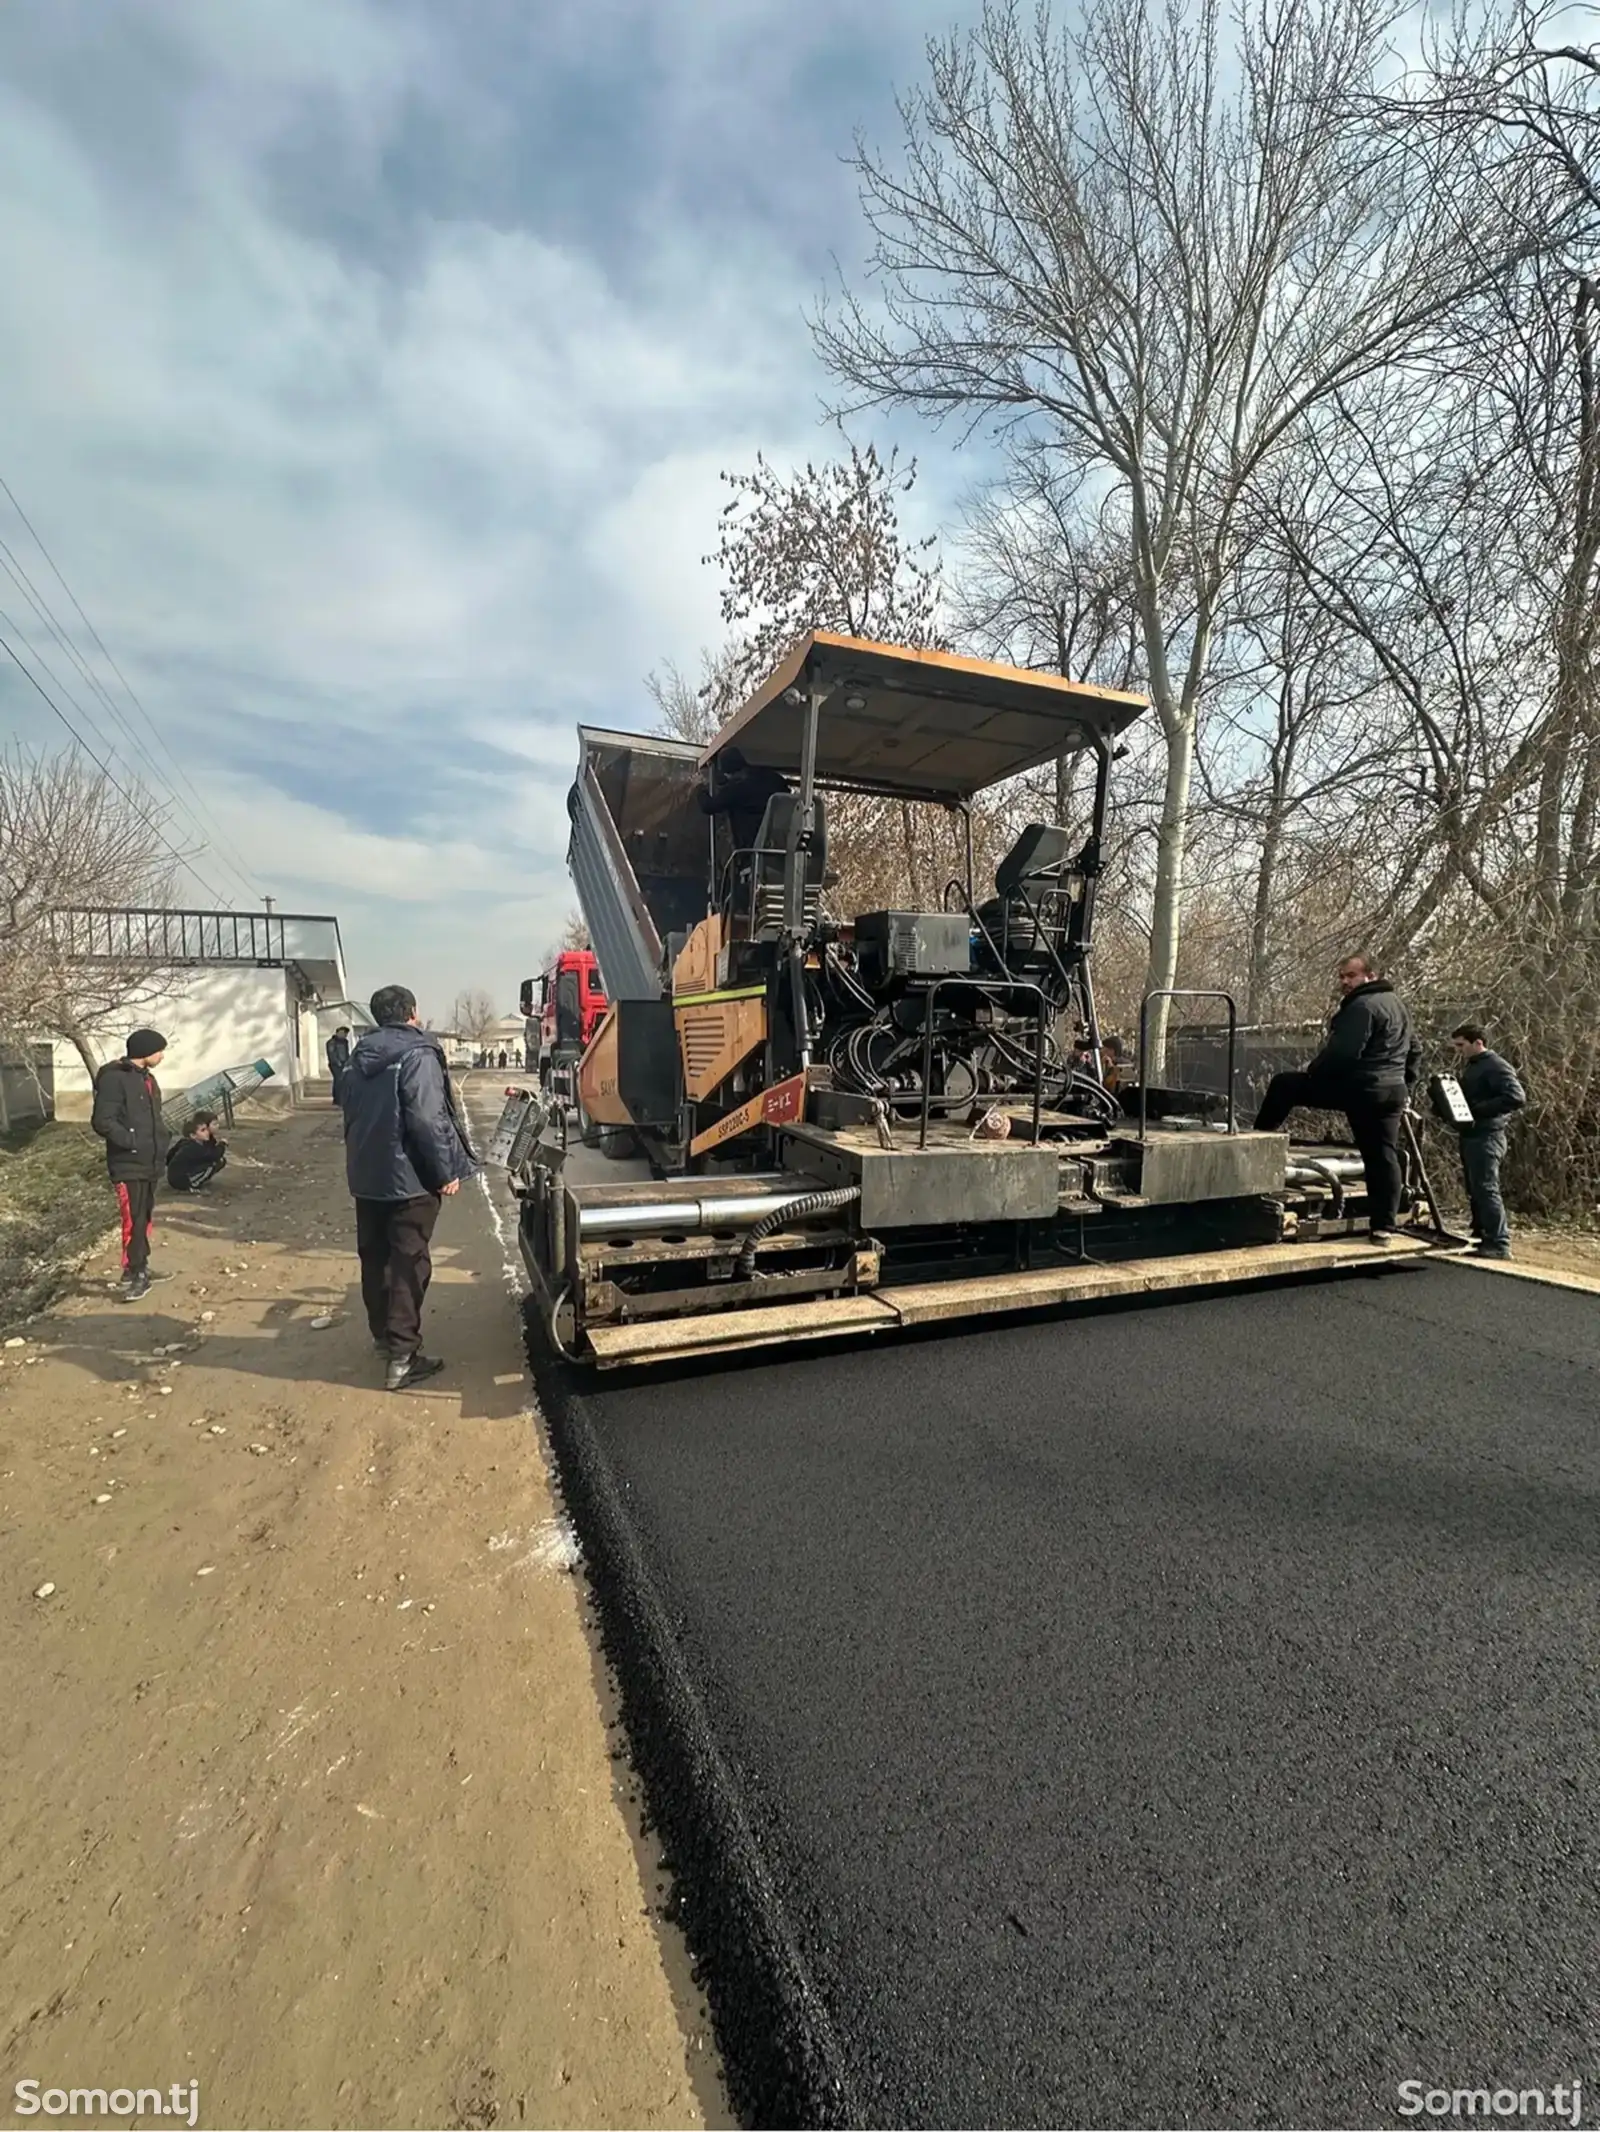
x=1494 y=1096
x=338 y=1049
x=127 y=1116
x=405 y=1149
x=742 y=792
x=1367 y=1069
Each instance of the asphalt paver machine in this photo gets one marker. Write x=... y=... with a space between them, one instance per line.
x=860 y=1122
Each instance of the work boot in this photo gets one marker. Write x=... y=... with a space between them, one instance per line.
x=407 y=1370
x=135 y=1286
x=1491 y=1251
x=1382 y=1239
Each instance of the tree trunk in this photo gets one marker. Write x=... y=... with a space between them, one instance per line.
x=1066 y=775
x=1178 y=722
x=909 y=842
x=1166 y=917
x=83 y=1044
x=1255 y=987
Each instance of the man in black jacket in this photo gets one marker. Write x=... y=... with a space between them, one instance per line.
x=127 y=1116
x=338 y=1049
x=1494 y=1096
x=742 y=792
x=405 y=1150
x=1367 y=1069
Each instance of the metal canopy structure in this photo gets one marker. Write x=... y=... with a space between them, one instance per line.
x=919 y=724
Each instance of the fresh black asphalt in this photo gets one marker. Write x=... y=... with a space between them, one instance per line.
x=1179 y=1716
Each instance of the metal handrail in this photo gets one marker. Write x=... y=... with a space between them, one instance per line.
x=988 y=991
x=1181 y=992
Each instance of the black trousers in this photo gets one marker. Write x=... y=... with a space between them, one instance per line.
x=1375 y=1120
x=392 y=1237
x=136 y=1203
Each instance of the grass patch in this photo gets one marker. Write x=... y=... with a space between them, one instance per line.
x=54 y=1203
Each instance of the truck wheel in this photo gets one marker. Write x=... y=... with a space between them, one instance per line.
x=617 y=1143
x=588 y=1131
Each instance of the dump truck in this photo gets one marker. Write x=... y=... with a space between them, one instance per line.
x=562 y=1008
x=860 y=1122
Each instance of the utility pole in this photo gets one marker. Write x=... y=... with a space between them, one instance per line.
x=269 y=901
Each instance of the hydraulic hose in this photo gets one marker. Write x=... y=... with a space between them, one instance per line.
x=791 y=1210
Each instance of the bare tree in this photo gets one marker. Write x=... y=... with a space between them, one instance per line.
x=1159 y=243
x=474 y=1014
x=70 y=840
x=1044 y=584
x=690 y=710
x=574 y=935
x=823 y=549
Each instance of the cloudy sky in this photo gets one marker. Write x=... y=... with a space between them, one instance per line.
x=367 y=367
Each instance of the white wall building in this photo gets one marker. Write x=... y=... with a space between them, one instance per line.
x=243 y=986
x=507 y=1035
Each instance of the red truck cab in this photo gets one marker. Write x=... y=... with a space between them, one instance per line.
x=563 y=1008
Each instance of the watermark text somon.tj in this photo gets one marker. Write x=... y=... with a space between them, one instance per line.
x=1562 y=2104
x=180 y=2101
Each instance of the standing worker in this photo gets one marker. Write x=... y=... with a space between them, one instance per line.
x=338 y=1048
x=1494 y=1096
x=1367 y=1069
x=127 y=1116
x=406 y=1150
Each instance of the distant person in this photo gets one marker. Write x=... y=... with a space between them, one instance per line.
x=406 y=1150
x=1367 y=1069
x=1494 y=1096
x=127 y=1116
x=338 y=1048
x=1110 y=1065
x=197 y=1155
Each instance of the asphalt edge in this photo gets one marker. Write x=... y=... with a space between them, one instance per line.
x=781 y=2059
x=1544 y=1276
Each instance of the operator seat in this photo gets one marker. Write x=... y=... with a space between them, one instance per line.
x=771 y=850
x=1036 y=868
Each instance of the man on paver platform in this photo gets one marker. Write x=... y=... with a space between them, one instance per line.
x=406 y=1150
x=127 y=1116
x=1366 y=1068
x=1494 y=1096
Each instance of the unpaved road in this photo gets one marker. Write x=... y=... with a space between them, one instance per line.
x=310 y=1784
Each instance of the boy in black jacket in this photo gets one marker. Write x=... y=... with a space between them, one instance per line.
x=197 y=1157
x=127 y=1116
x=1494 y=1096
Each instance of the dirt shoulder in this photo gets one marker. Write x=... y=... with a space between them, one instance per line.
x=311 y=1794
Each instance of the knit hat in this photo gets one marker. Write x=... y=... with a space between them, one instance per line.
x=145 y=1043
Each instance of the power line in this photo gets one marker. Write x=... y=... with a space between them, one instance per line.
x=19 y=576
x=78 y=705
x=218 y=837
x=105 y=768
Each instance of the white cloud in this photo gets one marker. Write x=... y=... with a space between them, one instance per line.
x=431 y=478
